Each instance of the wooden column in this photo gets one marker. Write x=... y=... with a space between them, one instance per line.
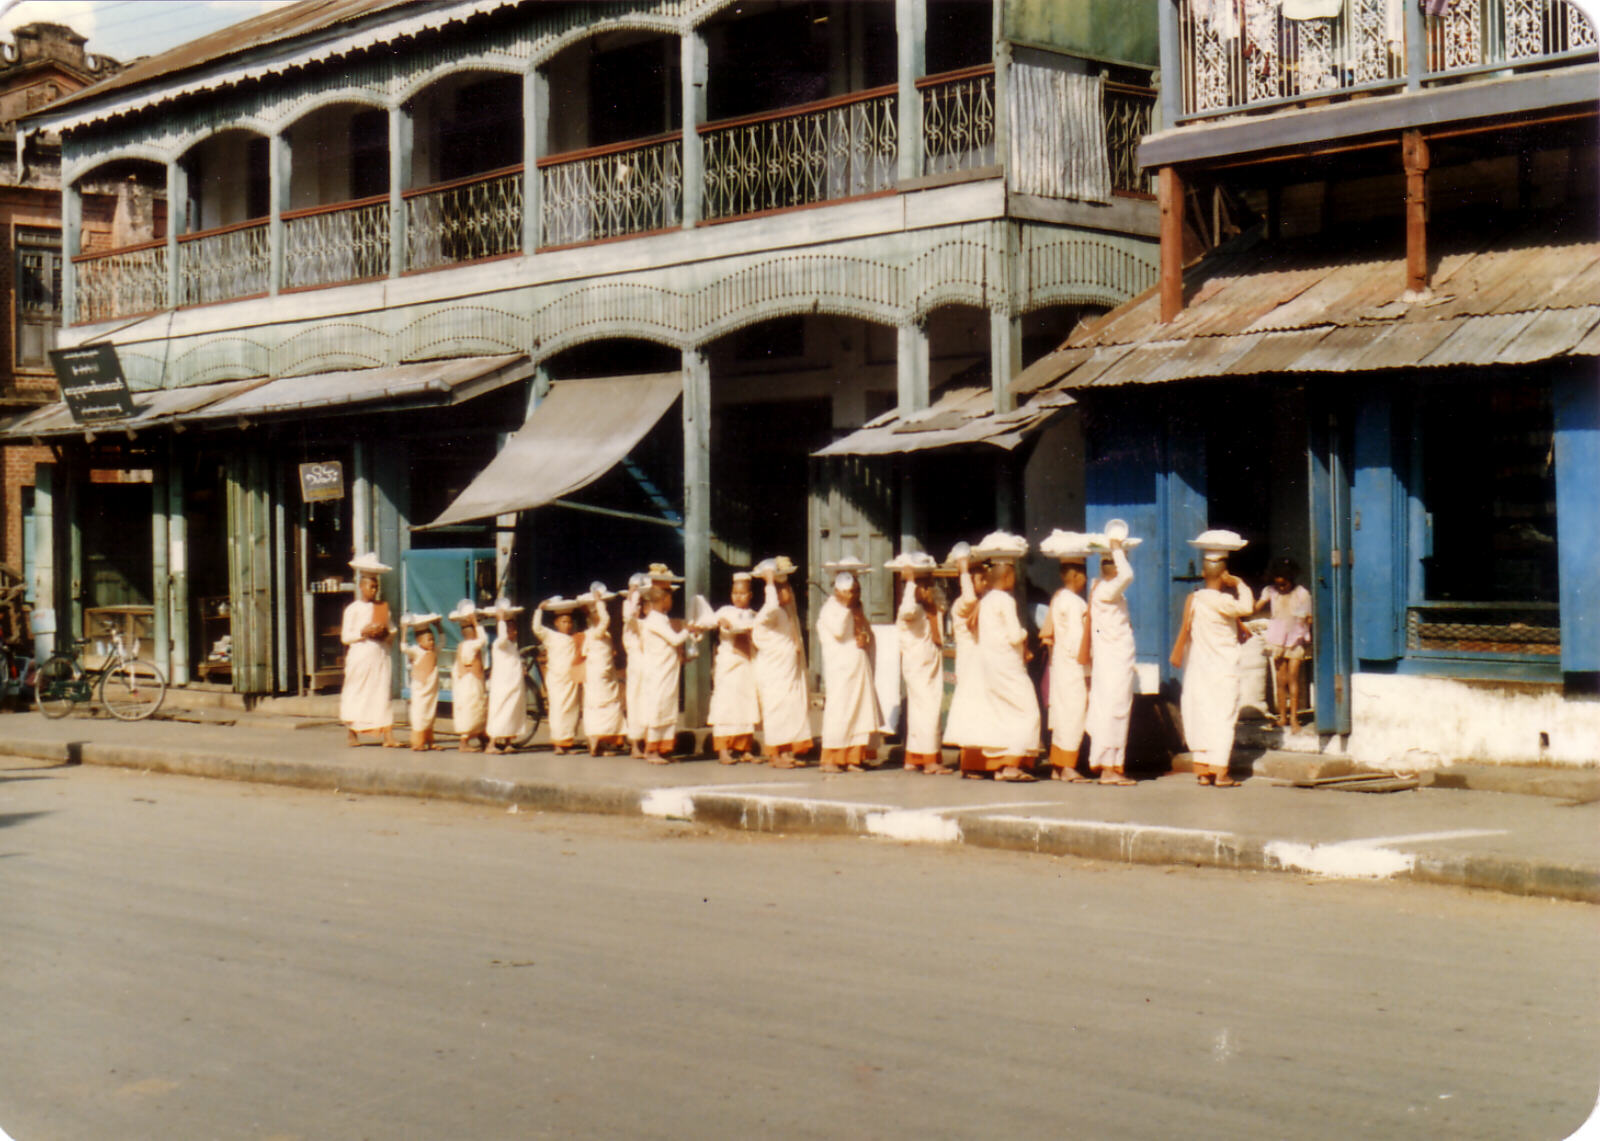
x=697 y=519
x=1169 y=192
x=45 y=592
x=71 y=246
x=177 y=223
x=911 y=375
x=1414 y=152
x=694 y=68
x=160 y=551
x=911 y=37
x=178 y=568
x=400 y=133
x=278 y=179
x=535 y=144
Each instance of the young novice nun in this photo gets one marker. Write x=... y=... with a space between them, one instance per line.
x=469 y=700
x=423 y=657
x=780 y=669
x=1112 y=676
x=918 y=627
x=1209 y=638
x=969 y=704
x=602 y=697
x=508 y=702
x=633 y=707
x=1067 y=635
x=734 y=706
x=661 y=651
x=563 y=671
x=850 y=716
x=1012 y=738
x=366 y=704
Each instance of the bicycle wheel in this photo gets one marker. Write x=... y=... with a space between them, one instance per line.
x=132 y=690
x=55 y=686
x=533 y=693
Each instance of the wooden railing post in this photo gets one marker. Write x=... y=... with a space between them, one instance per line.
x=911 y=27
x=1414 y=152
x=535 y=142
x=1169 y=194
x=72 y=245
x=400 y=129
x=695 y=70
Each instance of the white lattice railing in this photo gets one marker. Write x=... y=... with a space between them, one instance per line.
x=1239 y=54
x=1128 y=112
x=223 y=264
x=121 y=283
x=331 y=245
x=607 y=192
x=1471 y=34
x=464 y=220
x=836 y=148
x=958 y=120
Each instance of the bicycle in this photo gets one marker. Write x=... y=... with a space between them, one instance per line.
x=131 y=689
x=533 y=691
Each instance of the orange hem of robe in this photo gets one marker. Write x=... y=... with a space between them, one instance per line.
x=919 y=760
x=739 y=742
x=1062 y=759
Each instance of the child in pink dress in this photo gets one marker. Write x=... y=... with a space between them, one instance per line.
x=1288 y=636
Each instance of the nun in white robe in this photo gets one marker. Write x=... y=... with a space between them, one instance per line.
x=469 y=700
x=602 y=696
x=508 y=703
x=1208 y=650
x=735 y=709
x=780 y=671
x=563 y=675
x=632 y=706
x=1011 y=738
x=1112 y=674
x=969 y=704
x=917 y=629
x=1064 y=632
x=366 y=701
x=851 y=719
x=661 y=677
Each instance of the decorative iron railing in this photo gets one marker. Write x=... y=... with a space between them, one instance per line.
x=1473 y=34
x=1529 y=628
x=331 y=245
x=607 y=192
x=1238 y=55
x=1128 y=111
x=464 y=220
x=223 y=264
x=121 y=283
x=837 y=148
x=958 y=120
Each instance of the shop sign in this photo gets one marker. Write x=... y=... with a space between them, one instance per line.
x=92 y=384
x=321 y=481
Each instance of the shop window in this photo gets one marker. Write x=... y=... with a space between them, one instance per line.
x=38 y=296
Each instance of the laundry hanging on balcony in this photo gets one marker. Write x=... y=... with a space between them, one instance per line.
x=1312 y=9
x=580 y=431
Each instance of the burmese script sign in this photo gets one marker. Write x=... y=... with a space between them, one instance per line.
x=92 y=383
x=321 y=481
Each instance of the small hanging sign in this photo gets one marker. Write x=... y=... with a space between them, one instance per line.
x=92 y=384
x=322 y=481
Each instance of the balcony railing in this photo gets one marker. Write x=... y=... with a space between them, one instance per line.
x=958 y=120
x=1128 y=112
x=223 y=264
x=612 y=191
x=1241 y=55
x=820 y=152
x=468 y=219
x=124 y=282
x=332 y=245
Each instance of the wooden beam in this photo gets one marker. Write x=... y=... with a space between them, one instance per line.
x=1414 y=151
x=1169 y=188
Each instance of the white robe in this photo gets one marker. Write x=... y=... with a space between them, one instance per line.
x=366 y=703
x=1069 y=689
x=780 y=675
x=922 y=669
x=602 y=697
x=1210 y=702
x=660 y=676
x=1112 y=676
x=469 y=701
x=424 y=690
x=632 y=707
x=563 y=679
x=735 y=709
x=850 y=715
x=508 y=703
x=1013 y=726
x=969 y=704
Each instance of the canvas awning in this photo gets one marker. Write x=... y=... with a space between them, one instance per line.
x=580 y=431
x=961 y=415
x=424 y=384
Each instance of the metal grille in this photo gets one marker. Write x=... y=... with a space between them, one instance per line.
x=220 y=265
x=627 y=190
x=1473 y=34
x=816 y=154
x=333 y=245
x=1128 y=111
x=121 y=283
x=1485 y=628
x=464 y=220
x=958 y=122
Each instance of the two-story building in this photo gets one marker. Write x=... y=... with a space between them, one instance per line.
x=1385 y=369
x=588 y=283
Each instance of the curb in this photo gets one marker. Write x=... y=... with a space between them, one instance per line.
x=780 y=814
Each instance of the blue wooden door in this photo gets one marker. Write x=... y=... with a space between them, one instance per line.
x=1330 y=565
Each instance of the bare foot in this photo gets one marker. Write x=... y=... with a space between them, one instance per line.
x=350 y=738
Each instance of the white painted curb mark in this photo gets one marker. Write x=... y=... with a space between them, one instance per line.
x=1361 y=859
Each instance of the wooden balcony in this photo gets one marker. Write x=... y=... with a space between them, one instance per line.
x=611 y=192
x=464 y=220
x=336 y=244
x=224 y=264
x=124 y=282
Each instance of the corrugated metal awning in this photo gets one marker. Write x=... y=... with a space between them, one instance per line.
x=959 y=417
x=580 y=431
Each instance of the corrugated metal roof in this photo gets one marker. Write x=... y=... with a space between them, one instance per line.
x=960 y=416
x=1331 y=305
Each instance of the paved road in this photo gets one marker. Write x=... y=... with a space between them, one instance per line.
x=182 y=958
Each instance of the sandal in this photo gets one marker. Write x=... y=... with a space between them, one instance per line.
x=1118 y=782
x=1018 y=777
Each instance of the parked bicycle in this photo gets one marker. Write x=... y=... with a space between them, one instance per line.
x=131 y=689
x=533 y=693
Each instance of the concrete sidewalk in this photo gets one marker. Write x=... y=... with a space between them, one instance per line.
x=1545 y=845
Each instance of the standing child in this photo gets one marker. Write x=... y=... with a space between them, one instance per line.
x=1288 y=636
x=469 y=701
x=1067 y=635
x=661 y=652
x=602 y=697
x=563 y=671
x=918 y=625
x=969 y=703
x=851 y=719
x=1010 y=738
x=508 y=704
x=633 y=610
x=424 y=659
x=734 y=707
x=1113 y=671
x=780 y=669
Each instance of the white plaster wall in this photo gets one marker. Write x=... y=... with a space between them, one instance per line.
x=1424 y=722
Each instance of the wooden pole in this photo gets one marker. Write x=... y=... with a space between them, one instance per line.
x=1414 y=151
x=1169 y=194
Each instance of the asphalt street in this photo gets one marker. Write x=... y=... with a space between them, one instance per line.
x=190 y=958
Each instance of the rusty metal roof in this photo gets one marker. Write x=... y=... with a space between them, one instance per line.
x=961 y=415
x=1501 y=294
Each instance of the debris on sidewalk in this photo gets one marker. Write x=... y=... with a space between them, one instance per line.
x=1357 y=782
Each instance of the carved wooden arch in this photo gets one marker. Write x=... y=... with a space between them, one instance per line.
x=417 y=84
x=366 y=97
x=546 y=50
x=75 y=174
x=187 y=143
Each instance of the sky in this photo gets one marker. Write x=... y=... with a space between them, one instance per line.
x=127 y=29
